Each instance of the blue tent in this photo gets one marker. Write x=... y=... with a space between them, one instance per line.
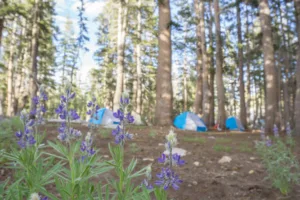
x=104 y=117
x=234 y=124
x=189 y=121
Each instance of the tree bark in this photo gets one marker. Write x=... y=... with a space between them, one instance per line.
x=138 y=62
x=206 y=91
x=122 y=21
x=212 y=69
x=164 y=93
x=34 y=53
x=199 y=93
x=10 y=72
x=269 y=66
x=297 y=99
x=185 y=93
x=243 y=112
x=248 y=107
x=219 y=69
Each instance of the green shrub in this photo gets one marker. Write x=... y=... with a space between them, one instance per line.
x=281 y=165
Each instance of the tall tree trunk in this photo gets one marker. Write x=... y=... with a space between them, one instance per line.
x=122 y=21
x=2 y=19
x=212 y=69
x=199 y=93
x=1 y=28
x=34 y=53
x=248 y=107
x=138 y=61
x=10 y=71
x=286 y=103
x=185 y=94
x=206 y=92
x=243 y=112
x=164 y=93
x=269 y=65
x=297 y=100
x=219 y=68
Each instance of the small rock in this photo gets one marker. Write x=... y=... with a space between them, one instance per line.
x=161 y=144
x=148 y=159
x=211 y=137
x=196 y=163
x=234 y=173
x=251 y=172
x=252 y=158
x=188 y=153
x=195 y=183
x=189 y=185
x=179 y=151
x=2 y=172
x=106 y=156
x=225 y=159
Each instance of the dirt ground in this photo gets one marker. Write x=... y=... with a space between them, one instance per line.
x=241 y=179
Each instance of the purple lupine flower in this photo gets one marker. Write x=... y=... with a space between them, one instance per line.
x=89 y=104
x=288 y=129
x=91 y=151
x=74 y=114
x=44 y=96
x=83 y=146
x=63 y=99
x=44 y=198
x=119 y=114
x=59 y=109
x=97 y=108
x=43 y=109
x=119 y=138
x=30 y=123
x=129 y=118
x=124 y=100
x=62 y=137
x=22 y=143
x=19 y=134
x=162 y=159
x=128 y=136
x=35 y=100
x=268 y=142
x=177 y=160
x=63 y=114
x=116 y=131
x=147 y=184
x=167 y=178
x=75 y=133
x=30 y=140
x=89 y=112
x=275 y=130
x=72 y=96
x=32 y=112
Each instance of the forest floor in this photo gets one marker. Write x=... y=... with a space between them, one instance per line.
x=241 y=179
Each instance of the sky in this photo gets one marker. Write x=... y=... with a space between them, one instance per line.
x=68 y=9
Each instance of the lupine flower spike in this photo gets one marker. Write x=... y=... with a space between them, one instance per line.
x=120 y=133
x=66 y=133
x=26 y=137
x=275 y=131
x=167 y=177
x=288 y=130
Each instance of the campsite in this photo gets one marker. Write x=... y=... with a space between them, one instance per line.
x=149 y=99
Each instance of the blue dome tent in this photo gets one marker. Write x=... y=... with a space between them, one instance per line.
x=104 y=117
x=189 y=121
x=234 y=124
